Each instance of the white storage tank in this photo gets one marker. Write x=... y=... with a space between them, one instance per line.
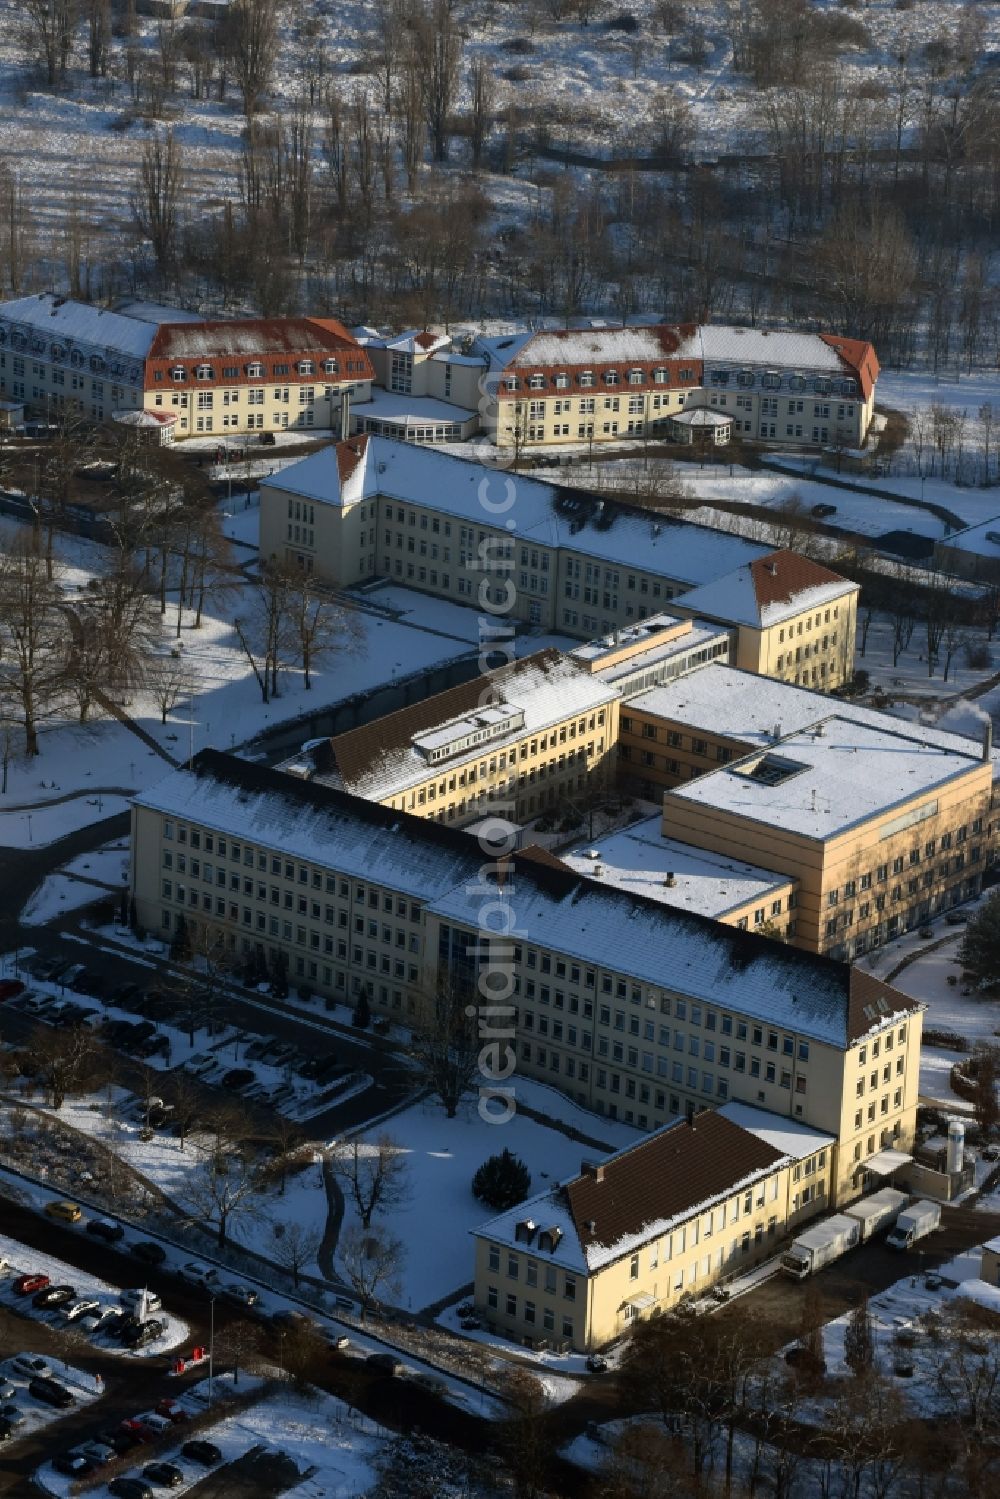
x=956 y=1145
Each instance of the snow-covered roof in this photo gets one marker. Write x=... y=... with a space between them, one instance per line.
x=639 y=859
x=982 y=1293
x=155 y=312
x=821 y=781
x=774 y=348
x=790 y=1136
x=767 y=590
x=616 y=1205
x=701 y=416
x=149 y=419
x=79 y=322
x=383 y=758
x=415 y=341
x=413 y=410
x=983 y=540
x=809 y=994
x=671 y=548
x=740 y=705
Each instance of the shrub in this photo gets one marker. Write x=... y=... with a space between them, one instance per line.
x=624 y=21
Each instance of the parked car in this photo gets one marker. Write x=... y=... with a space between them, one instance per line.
x=54 y=1296
x=926 y=931
x=154 y=1422
x=73 y=1464
x=205 y=1453
x=821 y=511
x=597 y=1363
x=7 y=1390
x=339 y=1341
x=172 y=1409
x=384 y=1363
x=164 y=1475
x=119 y=1441
x=50 y=1392
x=30 y=1363
x=933 y=1282
x=148 y=1252
x=99 y=1452
x=139 y=1429
x=198 y=1275
x=68 y=976
x=470 y=1324
x=145 y=1332
x=133 y=1299
x=103 y=1228
x=82 y=1308
x=256 y=1049
x=10 y=989
x=238 y=1295
x=63 y=1212
x=956 y=918
x=12 y=1414
x=237 y=1077
x=202 y=1061
x=26 y=1285
x=268 y=439
x=130 y=1488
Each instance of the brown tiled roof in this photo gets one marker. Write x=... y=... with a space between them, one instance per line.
x=253 y=337
x=359 y=749
x=664 y=1177
x=350 y=453
x=781 y=576
x=871 y=1002
x=859 y=355
x=539 y=855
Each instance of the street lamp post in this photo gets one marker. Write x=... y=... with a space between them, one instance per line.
x=211 y=1348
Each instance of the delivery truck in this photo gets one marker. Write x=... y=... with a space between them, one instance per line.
x=915 y=1223
x=819 y=1245
x=878 y=1211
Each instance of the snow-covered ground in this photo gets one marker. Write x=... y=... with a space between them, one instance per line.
x=442 y=1156
x=950 y=1006
x=909 y=676
x=88 y=877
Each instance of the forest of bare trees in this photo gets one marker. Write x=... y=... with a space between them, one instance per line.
x=858 y=198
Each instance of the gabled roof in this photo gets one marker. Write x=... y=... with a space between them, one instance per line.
x=616 y=1205
x=768 y=590
x=861 y=357
x=251 y=336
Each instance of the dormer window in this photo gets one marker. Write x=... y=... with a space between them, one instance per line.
x=178 y=374
x=307 y=367
x=96 y=362
x=230 y=372
x=822 y=385
x=536 y=382
x=635 y=377
x=525 y=1231
x=611 y=377
x=587 y=378
x=561 y=382
x=661 y=377
x=57 y=351
x=512 y=382
x=548 y=1238
x=849 y=387
x=255 y=371
x=331 y=367
x=796 y=382
x=745 y=379
x=204 y=372
x=76 y=359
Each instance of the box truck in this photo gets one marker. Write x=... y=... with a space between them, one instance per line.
x=878 y=1211
x=915 y=1223
x=819 y=1245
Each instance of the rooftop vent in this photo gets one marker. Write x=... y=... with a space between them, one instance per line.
x=671 y=880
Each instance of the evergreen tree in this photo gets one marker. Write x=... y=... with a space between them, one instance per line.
x=502 y=1182
x=980 y=949
x=180 y=943
x=362 y=1012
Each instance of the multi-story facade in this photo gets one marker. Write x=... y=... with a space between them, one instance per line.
x=546 y=556
x=636 y=1232
x=534 y=734
x=624 y=384
x=221 y=378
x=636 y=1011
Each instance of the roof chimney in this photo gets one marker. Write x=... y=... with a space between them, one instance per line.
x=345 y=415
x=987 y=740
x=592 y=1169
x=772 y=568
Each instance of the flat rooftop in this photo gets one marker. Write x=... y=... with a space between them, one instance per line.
x=639 y=859
x=389 y=406
x=739 y=704
x=822 y=781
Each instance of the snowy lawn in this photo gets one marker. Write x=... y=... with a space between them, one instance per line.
x=89 y=877
x=442 y=1156
x=909 y=676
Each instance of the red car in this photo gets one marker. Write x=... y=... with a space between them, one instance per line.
x=10 y=988
x=169 y=1408
x=135 y=1427
x=26 y=1285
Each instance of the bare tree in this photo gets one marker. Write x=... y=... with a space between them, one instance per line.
x=296 y=1248
x=318 y=624
x=523 y=1435
x=224 y=1184
x=268 y=625
x=238 y=1343
x=51 y=24
x=372 y=1263
x=156 y=200
x=437 y=52
x=446 y=1046
x=253 y=37
x=375 y=1177
x=170 y=681
x=16 y=240
x=65 y=1060
x=482 y=106
x=32 y=638
x=98 y=37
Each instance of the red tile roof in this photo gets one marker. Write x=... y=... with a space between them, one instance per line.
x=859 y=355
x=781 y=576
